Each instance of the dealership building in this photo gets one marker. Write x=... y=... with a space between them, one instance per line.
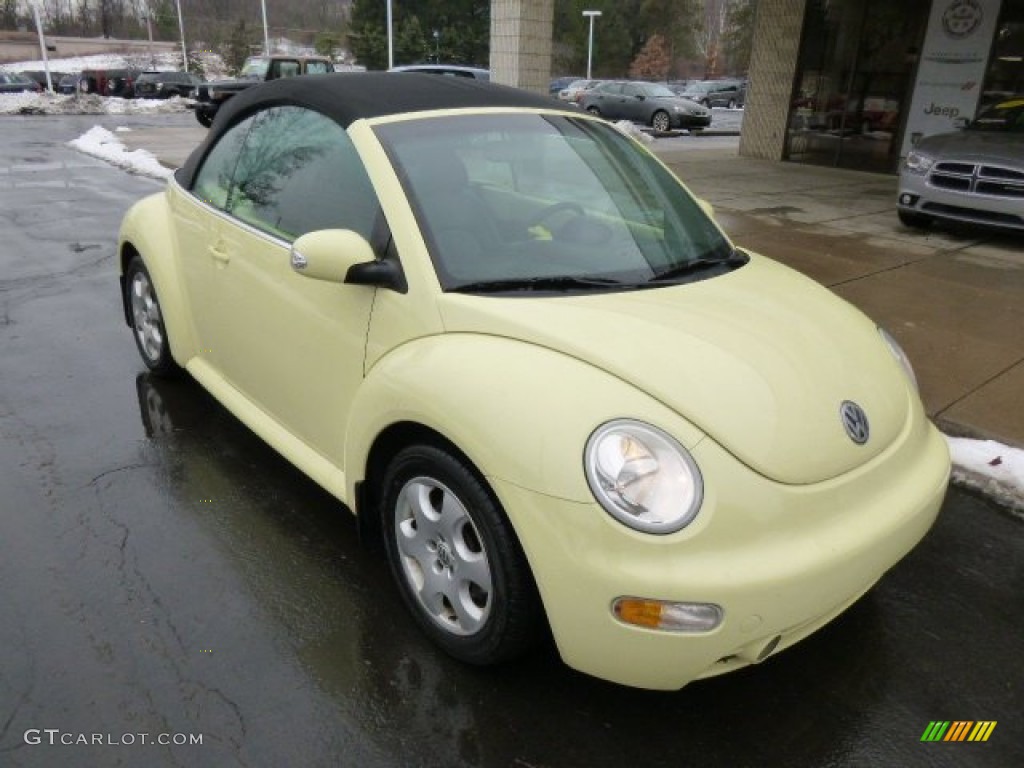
x=847 y=83
x=853 y=83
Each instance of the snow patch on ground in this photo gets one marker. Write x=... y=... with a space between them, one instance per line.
x=213 y=64
x=101 y=143
x=994 y=469
x=630 y=129
x=84 y=104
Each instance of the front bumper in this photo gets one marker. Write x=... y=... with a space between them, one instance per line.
x=781 y=561
x=680 y=120
x=918 y=195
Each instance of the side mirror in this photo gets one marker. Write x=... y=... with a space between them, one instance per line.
x=960 y=123
x=329 y=254
x=344 y=256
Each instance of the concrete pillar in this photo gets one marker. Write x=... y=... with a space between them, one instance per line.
x=521 y=43
x=777 y=29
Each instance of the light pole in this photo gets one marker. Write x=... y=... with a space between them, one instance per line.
x=42 y=47
x=391 y=40
x=266 y=36
x=181 y=28
x=437 y=47
x=149 y=31
x=590 y=42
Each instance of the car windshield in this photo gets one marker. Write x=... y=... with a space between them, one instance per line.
x=1005 y=117
x=255 y=67
x=559 y=201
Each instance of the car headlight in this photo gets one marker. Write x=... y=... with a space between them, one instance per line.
x=900 y=355
x=918 y=161
x=643 y=477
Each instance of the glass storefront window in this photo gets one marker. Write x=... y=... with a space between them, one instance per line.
x=1005 y=76
x=854 y=76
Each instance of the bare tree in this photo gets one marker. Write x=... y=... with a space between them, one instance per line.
x=709 y=37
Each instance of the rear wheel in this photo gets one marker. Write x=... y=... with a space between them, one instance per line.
x=147 y=320
x=204 y=119
x=661 y=122
x=456 y=558
x=914 y=220
x=594 y=111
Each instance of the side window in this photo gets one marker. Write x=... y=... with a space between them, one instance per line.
x=213 y=182
x=316 y=67
x=298 y=173
x=283 y=69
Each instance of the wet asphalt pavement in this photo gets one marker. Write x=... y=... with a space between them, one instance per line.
x=162 y=572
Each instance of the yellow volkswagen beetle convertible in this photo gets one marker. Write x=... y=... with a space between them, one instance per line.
x=518 y=349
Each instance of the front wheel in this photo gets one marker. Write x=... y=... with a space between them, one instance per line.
x=594 y=111
x=204 y=119
x=456 y=558
x=661 y=122
x=147 y=320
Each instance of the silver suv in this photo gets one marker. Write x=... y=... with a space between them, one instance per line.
x=974 y=175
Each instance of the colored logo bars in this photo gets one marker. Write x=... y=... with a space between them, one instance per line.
x=958 y=730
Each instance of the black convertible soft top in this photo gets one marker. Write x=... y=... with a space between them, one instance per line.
x=349 y=96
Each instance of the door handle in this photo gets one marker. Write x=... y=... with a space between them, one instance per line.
x=220 y=256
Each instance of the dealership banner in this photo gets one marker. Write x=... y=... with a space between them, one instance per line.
x=951 y=69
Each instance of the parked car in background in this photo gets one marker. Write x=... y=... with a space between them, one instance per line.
x=118 y=82
x=646 y=103
x=15 y=82
x=574 y=91
x=451 y=70
x=973 y=176
x=558 y=83
x=39 y=76
x=715 y=93
x=68 y=84
x=207 y=98
x=164 y=85
x=536 y=369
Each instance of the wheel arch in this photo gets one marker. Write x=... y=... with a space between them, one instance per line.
x=388 y=443
x=146 y=233
x=484 y=399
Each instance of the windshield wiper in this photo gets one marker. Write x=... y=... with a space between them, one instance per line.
x=730 y=262
x=554 y=283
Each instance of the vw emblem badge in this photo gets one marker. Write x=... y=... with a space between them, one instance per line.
x=855 y=422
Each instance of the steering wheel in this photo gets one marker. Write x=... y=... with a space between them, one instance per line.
x=545 y=214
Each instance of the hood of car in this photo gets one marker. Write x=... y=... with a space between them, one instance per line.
x=977 y=147
x=681 y=101
x=761 y=360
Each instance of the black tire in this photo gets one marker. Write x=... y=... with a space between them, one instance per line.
x=147 y=321
x=913 y=220
x=661 y=122
x=204 y=120
x=594 y=111
x=469 y=552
